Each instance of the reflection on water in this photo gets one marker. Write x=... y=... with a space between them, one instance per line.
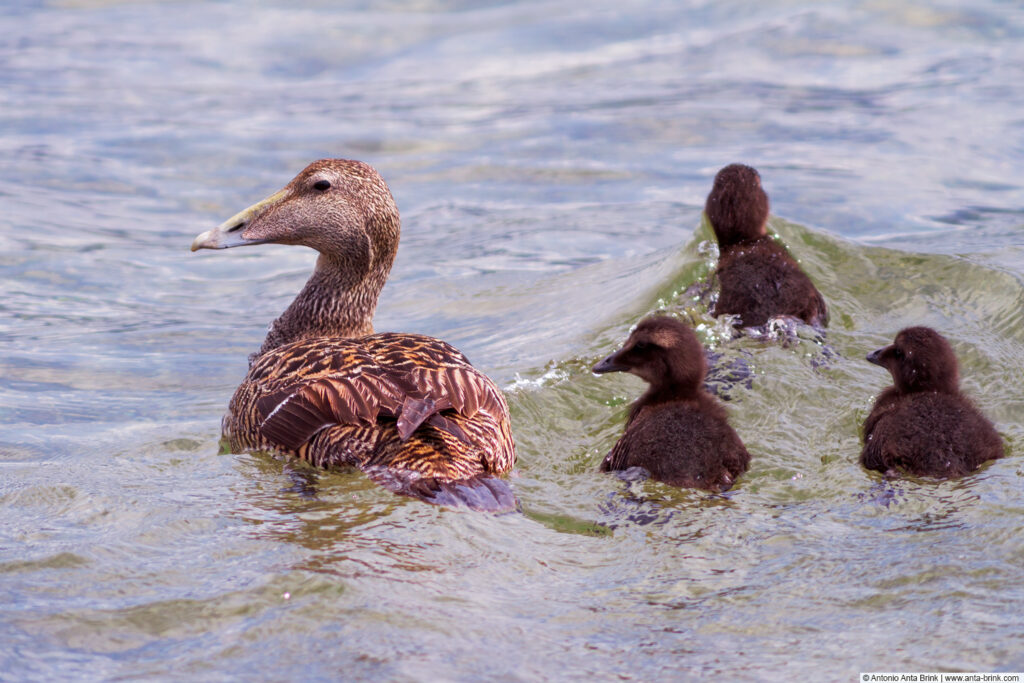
x=550 y=163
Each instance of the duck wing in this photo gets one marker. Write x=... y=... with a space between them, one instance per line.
x=437 y=371
x=308 y=386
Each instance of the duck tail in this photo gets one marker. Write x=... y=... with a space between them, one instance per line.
x=483 y=492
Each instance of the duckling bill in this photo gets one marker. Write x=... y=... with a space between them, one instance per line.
x=923 y=424
x=676 y=430
x=757 y=277
x=408 y=409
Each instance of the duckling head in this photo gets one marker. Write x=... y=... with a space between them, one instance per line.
x=665 y=353
x=919 y=359
x=737 y=205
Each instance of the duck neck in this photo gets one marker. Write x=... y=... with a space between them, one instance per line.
x=337 y=301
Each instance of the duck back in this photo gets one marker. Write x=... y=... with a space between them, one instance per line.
x=409 y=410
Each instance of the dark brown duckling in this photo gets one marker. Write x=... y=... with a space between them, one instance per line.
x=923 y=424
x=676 y=431
x=758 y=279
x=407 y=409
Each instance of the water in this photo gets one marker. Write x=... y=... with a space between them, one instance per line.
x=550 y=162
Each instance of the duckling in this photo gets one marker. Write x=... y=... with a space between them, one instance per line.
x=923 y=424
x=758 y=279
x=676 y=430
x=408 y=409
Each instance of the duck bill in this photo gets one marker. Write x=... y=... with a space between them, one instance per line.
x=609 y=365
x=876 y=356
x=231 y=233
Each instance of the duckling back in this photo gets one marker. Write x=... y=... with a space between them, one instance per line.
x=682 y=444
x=928 y=434
x=760 y=280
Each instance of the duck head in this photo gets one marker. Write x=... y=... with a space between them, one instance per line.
x=919 y=359
x=737 y=206
x=344 y=210
x=664 y=352
x=339 y=207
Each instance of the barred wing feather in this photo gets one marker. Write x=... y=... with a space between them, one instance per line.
x=411 y=389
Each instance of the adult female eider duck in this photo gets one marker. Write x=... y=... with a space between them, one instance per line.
x=407 y=409
x=922 y=423
x=757 y=277
x=676 y=430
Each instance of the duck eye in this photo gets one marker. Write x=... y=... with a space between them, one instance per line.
x=640 y=346
x=322 y=185
x=898 y=353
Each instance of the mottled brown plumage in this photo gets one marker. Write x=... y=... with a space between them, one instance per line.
x=923 y=424
x=676 y=431
x=407 y=409
x=758 y=279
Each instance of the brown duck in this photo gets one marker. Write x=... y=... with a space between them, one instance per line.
x=676 y=431
x=758 y=279
x=922 y=423
x=407 y=409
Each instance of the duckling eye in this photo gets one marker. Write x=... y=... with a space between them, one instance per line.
x=897 y=353
x=641 y=346
x=322 y=185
